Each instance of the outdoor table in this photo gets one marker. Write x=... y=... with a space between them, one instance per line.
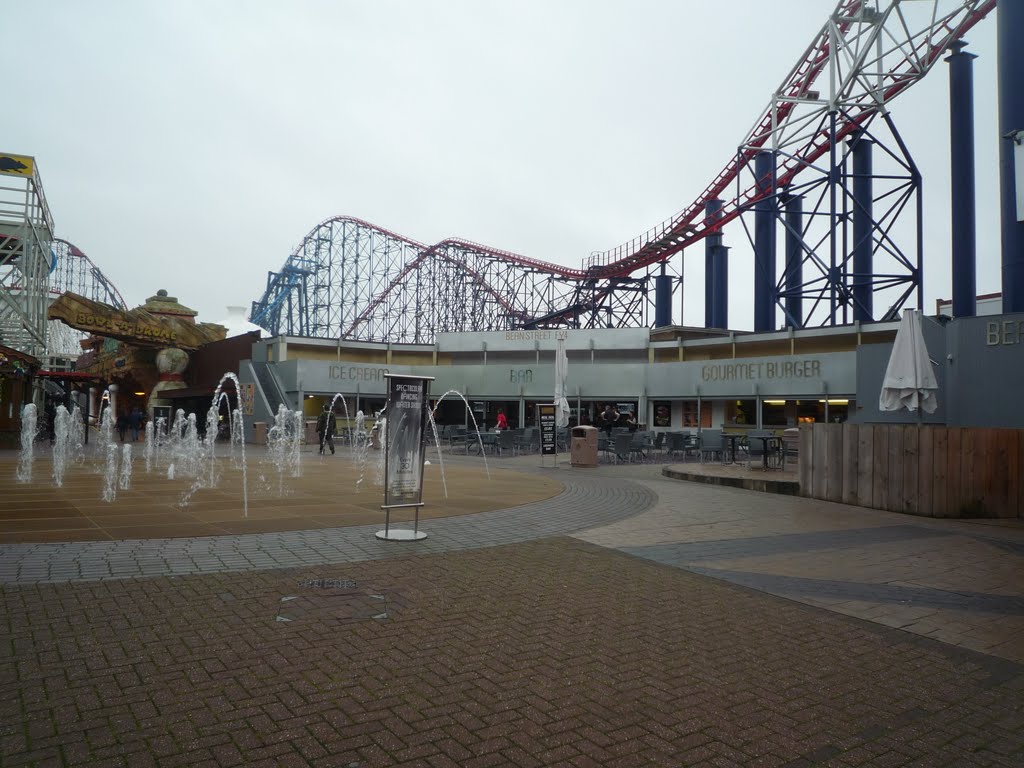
x=731 y=439
x=487 y=440
x=769 y=443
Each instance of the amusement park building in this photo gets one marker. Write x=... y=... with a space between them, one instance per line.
x=670 y=378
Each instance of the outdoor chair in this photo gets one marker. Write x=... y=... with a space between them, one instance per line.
x=506 y=443
x=530 y=441
x=658 y=446
x=678 y=444
x=790 y=445
x=711 y=444
x=623 y=443
x=640 y=446
x=457 y=436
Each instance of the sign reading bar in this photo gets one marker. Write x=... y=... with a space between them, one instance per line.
x=546 y=415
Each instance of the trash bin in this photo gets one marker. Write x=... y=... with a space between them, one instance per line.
x=311 y=437
x=259 y=435
x=583 y=447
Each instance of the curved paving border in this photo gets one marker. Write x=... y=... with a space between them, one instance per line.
x=584 y=503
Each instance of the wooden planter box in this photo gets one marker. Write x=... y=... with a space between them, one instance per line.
x=932 y=471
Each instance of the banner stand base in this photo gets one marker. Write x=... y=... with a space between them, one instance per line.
x=400 y=534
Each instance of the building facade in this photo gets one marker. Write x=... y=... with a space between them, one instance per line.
x=669 y=379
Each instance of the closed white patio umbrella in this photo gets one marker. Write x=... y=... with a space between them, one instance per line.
x=909 y=379
x=561 y=372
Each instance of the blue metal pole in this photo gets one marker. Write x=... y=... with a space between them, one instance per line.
x=713 y=211
x=961 y=162
x=662 y=299
x=1010 y=60
x=764 y=244
x=720 y=258
x=794 y=205
x=863 y=224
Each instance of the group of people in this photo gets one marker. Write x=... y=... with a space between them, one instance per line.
x=130 y=422
x=610 y=419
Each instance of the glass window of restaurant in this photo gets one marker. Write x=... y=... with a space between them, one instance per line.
x=792 y=413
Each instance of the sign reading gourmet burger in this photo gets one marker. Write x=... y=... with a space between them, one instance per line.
x=762 y=371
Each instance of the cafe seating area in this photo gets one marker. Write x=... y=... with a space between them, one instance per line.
x=754 y=450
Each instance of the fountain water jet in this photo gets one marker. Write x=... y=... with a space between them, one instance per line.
x=29 y=417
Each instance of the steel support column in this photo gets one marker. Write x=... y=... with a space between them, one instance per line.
x=961 y=162
x=1010 y=57
x=713 y=212
x=794 y=206
x=863 y=226
x=662 y=299
x=720 y=264
x=764 y=244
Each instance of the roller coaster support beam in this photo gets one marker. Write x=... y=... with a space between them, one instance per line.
x=794 y=207
x=712 y=300
x=765 y=211
x=662 y=299
x=1010 y=18
x=961 y=160
x=720 y=259
x=863 y=227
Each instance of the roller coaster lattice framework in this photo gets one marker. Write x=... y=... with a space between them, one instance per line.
x=350 y=279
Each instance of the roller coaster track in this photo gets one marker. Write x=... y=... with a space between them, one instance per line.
x=75 y=272
x=350 y=279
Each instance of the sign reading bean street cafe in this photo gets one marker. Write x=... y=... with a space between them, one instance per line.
x=405 y=427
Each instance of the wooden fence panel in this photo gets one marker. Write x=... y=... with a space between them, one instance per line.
x=940 y=472
x=953 y=458
x=972 y=447
x=850 y=462
x=926 y=470
x=1001 y=497
x=820 y=462
x=834 y=458
x=934 y=471
x=911 y=458
x=865 y=463
x=1015 y=472
x=893 y=497
x=880 y=462
x=806 y=465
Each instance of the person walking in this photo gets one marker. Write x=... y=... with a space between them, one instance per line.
x=325 y=430
x=135 y=423
x=502 y=420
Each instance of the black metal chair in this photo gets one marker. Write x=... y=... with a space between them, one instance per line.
x=506 y=443
x=623 y=446
x=711 y=444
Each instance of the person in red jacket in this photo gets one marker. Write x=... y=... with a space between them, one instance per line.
x=502 y=421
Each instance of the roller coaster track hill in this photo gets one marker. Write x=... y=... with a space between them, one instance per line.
x=350 y=279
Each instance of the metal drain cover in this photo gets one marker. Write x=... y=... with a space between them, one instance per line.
x=336 y=601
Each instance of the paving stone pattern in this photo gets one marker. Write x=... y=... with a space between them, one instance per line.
x=592 y=501
x=542 y=653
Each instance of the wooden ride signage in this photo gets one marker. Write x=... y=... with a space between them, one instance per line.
x=136 y=326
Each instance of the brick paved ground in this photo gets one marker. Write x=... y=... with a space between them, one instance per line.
x=553 y=652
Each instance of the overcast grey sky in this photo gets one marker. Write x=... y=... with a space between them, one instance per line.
x=190 y=145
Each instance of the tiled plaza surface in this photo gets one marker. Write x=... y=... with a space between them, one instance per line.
x=629 y=620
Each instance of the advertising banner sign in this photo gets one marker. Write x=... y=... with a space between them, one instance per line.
x=546 y=415
x=406 y=418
